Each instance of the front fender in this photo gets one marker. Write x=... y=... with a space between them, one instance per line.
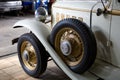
x=42 y=33
x=37 y=27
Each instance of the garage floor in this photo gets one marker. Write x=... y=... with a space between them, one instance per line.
x=10 y=69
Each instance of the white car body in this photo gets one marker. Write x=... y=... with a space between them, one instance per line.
x=105 y=28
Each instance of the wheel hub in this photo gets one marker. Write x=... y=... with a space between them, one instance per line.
x=65 y=47
x=26 y=55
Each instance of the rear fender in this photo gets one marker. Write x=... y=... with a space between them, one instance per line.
x=42 y=33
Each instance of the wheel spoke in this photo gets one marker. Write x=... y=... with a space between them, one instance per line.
x=28 y=55
x=68 y=36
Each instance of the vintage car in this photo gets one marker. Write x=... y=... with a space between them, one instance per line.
x=83 y=40
x=10 y=5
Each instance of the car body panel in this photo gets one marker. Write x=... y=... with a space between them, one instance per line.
x=105 y=28
x=114 y=36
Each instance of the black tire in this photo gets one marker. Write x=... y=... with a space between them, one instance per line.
x=87 y=38
x=40 y=55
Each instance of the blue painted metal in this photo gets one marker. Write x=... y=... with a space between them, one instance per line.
x=37 y=3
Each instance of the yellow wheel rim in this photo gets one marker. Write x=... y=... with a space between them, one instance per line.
x=28 y=55
x=69 y=46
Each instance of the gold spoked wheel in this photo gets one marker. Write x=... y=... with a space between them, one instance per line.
x=69 y=46
x=32 y=55
x=75 y=43
x=28 y=55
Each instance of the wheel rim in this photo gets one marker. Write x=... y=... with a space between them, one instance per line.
x=28 y=55
x=69 y=46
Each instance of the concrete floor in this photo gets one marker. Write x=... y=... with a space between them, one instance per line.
x=7 y=33
x=10 y=69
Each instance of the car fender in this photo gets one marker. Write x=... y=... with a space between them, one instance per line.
x=42 y=33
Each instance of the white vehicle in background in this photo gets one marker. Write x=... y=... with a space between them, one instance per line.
x=83 y=40
x=10 y=5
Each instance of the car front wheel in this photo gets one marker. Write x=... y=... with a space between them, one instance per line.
x=32 y=55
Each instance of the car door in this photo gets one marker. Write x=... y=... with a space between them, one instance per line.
x=101 y=28
x=115 y=34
